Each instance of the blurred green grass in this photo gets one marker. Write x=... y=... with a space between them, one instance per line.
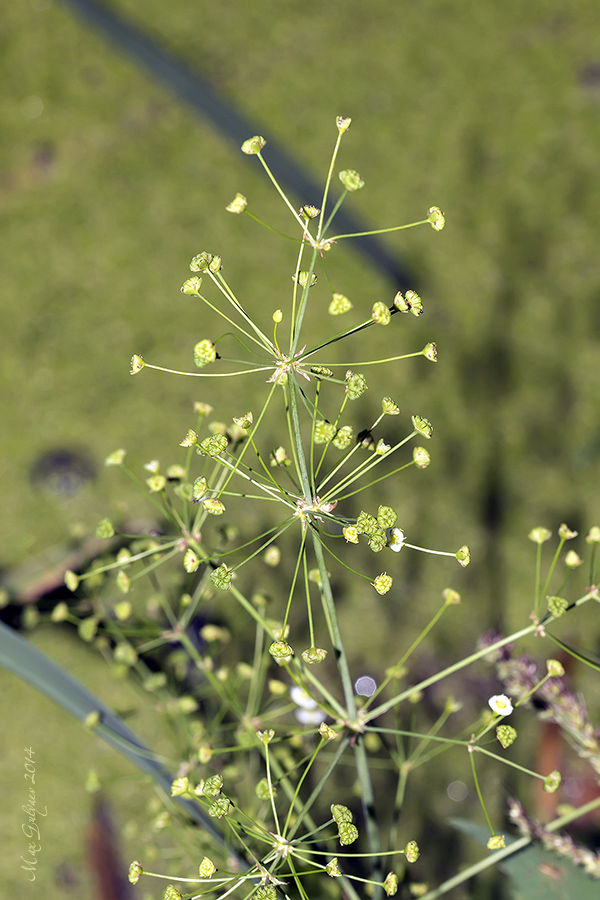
x=106 y=195
x=489 y=110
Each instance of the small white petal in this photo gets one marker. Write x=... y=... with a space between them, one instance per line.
x=310 y=716
x=396 y=540
x=301 y=698
x=501 y=704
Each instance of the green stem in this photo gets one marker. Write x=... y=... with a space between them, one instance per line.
x=456 y=667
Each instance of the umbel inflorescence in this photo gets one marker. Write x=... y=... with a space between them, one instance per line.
x=268 y=739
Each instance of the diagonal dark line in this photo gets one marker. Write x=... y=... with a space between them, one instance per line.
x=197 y=91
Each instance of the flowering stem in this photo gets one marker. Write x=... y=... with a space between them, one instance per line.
x=408 y=653
x=514 y=847
x=509 y=762
x=340 y=237
x=321 y=230
x=456 y=667
x=551 y=571
x=478 y=789
x=281 y=193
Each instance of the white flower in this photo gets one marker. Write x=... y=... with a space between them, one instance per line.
x=309 y=712
x=302 y=698
x=501 y=704
x=396 y=541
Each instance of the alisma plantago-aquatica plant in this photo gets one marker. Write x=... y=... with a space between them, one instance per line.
x=274 y=732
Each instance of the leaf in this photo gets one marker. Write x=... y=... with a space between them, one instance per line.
x=535 y=873
x=23 y=659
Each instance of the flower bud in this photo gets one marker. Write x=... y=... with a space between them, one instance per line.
x=135 y=872
x=421 y=457
x=272 y=556
x=321 y=371
x=281 y=651
x=311 y=212
x=253 y=145
x=343 y=124
x=190 y=561
x=179 y=786
x=71 y=580
x=277 y=316
x=412 y=852
x=212 y=786
x=339 y=305
x=213 y=507
x=356 y=384
x=343 y=437
x=279 y=457
x=137 y=364
x=237 y=205
x=324 y=432
x=207 y=868
x=506 y=735
x=380 y=313
x=436 y=218
x=386 y=517
x=220 y=808
x=302 y=279
x=123 y=582
x=552 y=782
x=496 y=842
x=171 y=893
x=332 y=869
x=327 y=732
x=200 y=262
x=366 y=523
x=60 y=613
x=383 y=583
x=314 y=655
x=350 y=533
x=555 y=668
x=377 y=541
x=430 y=351
x=390 y=885
x=451 y=596
x=572 y=560
x=565 y=533
x=463 y=556
x=115 y=458
x=105 y=529
x=593 y=536
x=351 y=180
x=389 y=408
x=212 y=446
x=192 y=286
x=190 y=439
x=204 y=353
x=244 y=421
x=156 y=483
x=347 y=833
x=400 y=303
x=382 y=448
x=415 y=304
x=557 y=606
x=423 y=426
x=539 y=535
x=222 y=577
